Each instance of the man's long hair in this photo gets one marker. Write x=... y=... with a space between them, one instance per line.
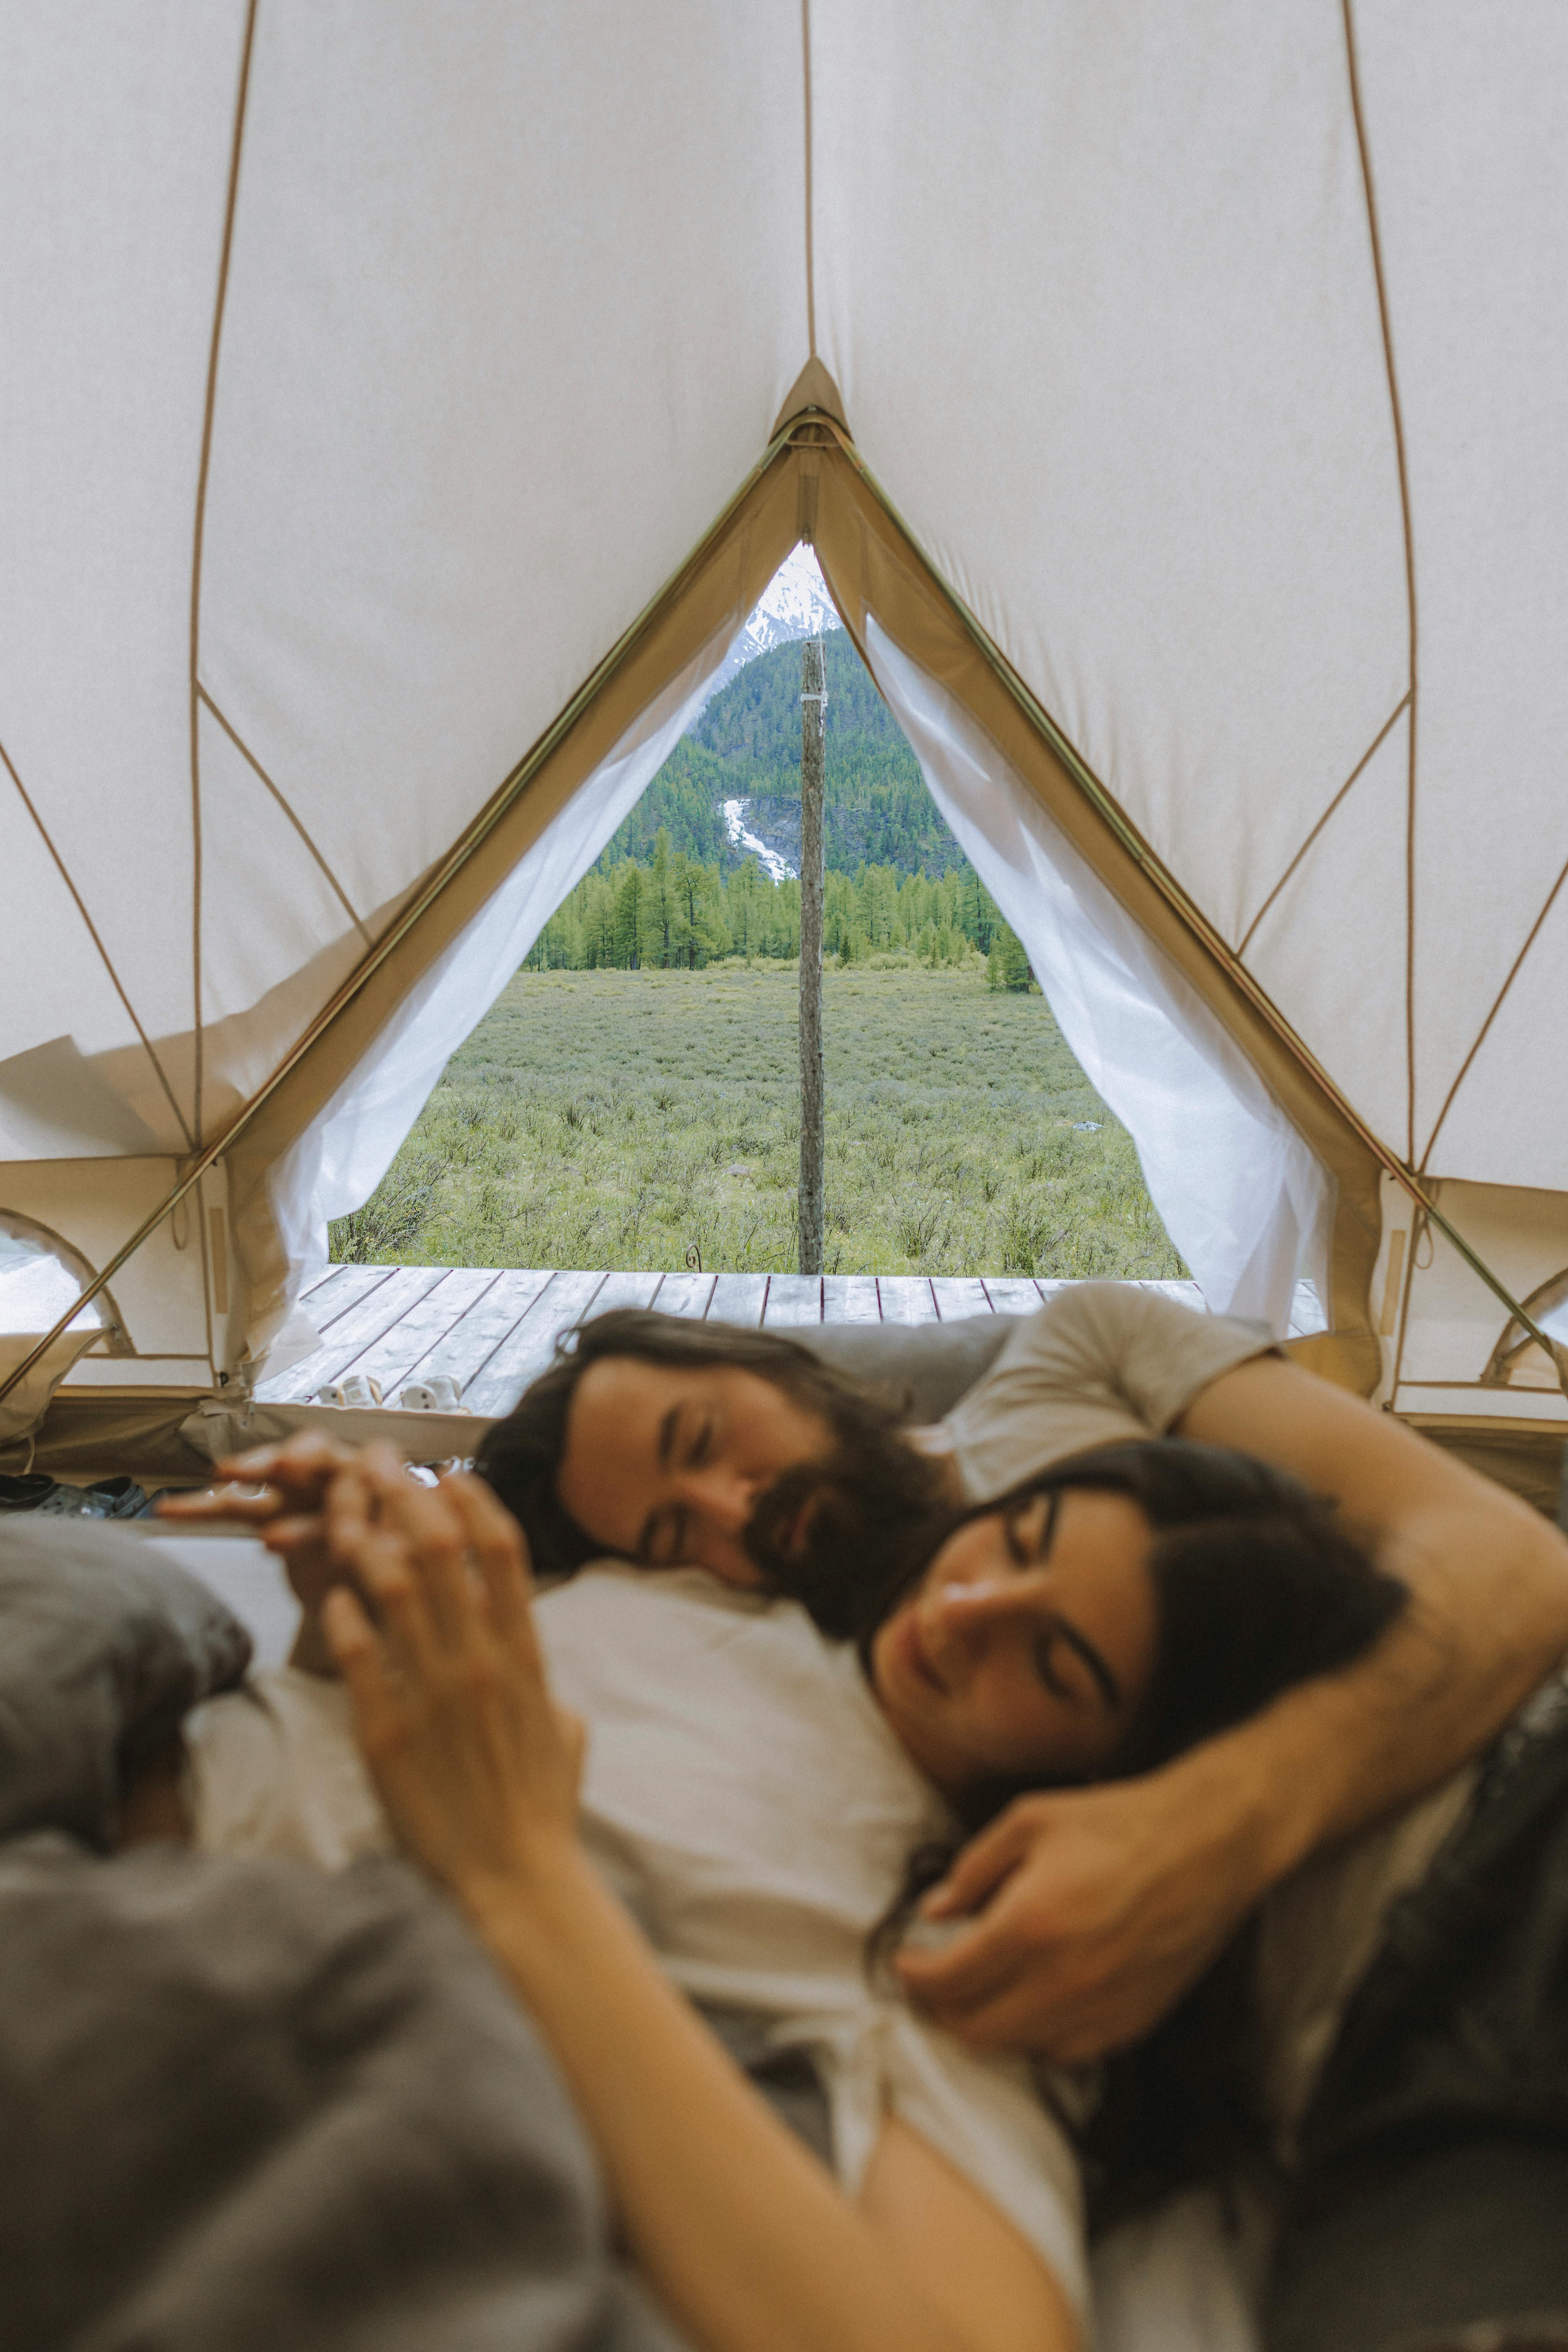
x=875 y=1498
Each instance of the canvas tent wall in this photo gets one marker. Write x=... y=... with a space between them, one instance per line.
x=373 y=376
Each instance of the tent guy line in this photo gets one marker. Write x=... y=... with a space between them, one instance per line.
x=105 y=958
x=1353 y=778
x=1191 y=915
x=246 y=755
x=198 y=537
x=1396 y=416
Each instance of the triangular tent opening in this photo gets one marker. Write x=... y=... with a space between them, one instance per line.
x=1187 y=531
x=989 y=760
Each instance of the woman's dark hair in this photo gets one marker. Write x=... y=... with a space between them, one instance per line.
x=1258 y=1584
x=876 y=1497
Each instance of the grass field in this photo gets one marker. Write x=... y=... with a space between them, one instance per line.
x=628 y=1118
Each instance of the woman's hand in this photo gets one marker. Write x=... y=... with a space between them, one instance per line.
x=477 y=1766
x=280 y=1492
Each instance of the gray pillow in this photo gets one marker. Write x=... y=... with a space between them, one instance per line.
x=935 y=1363
x=104 y=1645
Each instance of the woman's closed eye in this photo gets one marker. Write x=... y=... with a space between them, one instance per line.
x=1029 y=1528
x=701 y=1445
x=1045 y=1667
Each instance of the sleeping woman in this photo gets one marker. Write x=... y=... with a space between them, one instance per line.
x=754 y=1800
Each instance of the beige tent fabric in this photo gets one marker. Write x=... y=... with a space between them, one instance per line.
x=870 y=567
x=704 y=608
x=367 y=371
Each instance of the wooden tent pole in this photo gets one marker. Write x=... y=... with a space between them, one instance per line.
x=813 y=699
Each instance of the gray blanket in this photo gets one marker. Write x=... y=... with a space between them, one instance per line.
x=245 y=2105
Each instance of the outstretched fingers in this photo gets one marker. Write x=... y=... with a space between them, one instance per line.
x=371 y=1546
x=499 y=1551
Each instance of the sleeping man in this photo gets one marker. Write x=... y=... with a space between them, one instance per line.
x=669 y=1442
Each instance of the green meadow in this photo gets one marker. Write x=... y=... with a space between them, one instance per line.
x=650 y=1120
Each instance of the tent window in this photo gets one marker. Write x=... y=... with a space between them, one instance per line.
x=39 y=1276
x=1516 y=1360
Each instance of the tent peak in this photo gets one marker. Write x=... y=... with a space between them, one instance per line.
x=813 y=388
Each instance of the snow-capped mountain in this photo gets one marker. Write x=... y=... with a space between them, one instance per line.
x=794 y=604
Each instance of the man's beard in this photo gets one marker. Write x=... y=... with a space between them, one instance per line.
x=868 y=1516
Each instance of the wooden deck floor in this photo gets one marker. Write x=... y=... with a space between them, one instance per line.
x=492 y=1330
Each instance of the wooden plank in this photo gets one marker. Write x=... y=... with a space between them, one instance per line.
x=957 y=1295
x=334 y=1278
x=739 y=1299
x=344 y=1287
x=850 y=1299
x=1049 y=1290
x=530 y=1348
x=392 y=1360
x=353 y=1333
x=1010 y=1293
x=906 y=1299
x=475 y=1336
x=794 y=1298
x=626 y=1290
x=686 y=1294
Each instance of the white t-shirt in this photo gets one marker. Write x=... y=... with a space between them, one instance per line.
x=745 y=1796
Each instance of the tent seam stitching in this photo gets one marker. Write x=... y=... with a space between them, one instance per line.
x=1396 y=415
x=80 y=905
x=1514 y=969
x=1181 y=904
x=810 y=239
x=197 y=537
x=1355 y=774
x=246 y=752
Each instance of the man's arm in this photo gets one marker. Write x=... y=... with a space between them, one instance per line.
x=1104 y=1905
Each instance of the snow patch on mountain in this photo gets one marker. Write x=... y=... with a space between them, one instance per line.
x=794 y=604
x=772 y=864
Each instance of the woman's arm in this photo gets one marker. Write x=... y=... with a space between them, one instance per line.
x=1102 y=1907
x=748 y=2241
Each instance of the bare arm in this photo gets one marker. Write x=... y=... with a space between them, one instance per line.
x=1102 y=1907
x=1488 y=1614
x=746 y=2238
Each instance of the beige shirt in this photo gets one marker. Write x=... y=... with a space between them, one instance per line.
x=1105 y=1361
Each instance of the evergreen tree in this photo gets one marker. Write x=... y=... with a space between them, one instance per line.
x=1008 y=966
x=627 y=935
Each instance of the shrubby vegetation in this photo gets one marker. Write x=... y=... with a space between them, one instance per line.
x=633 y=1099
x=624 y=1118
